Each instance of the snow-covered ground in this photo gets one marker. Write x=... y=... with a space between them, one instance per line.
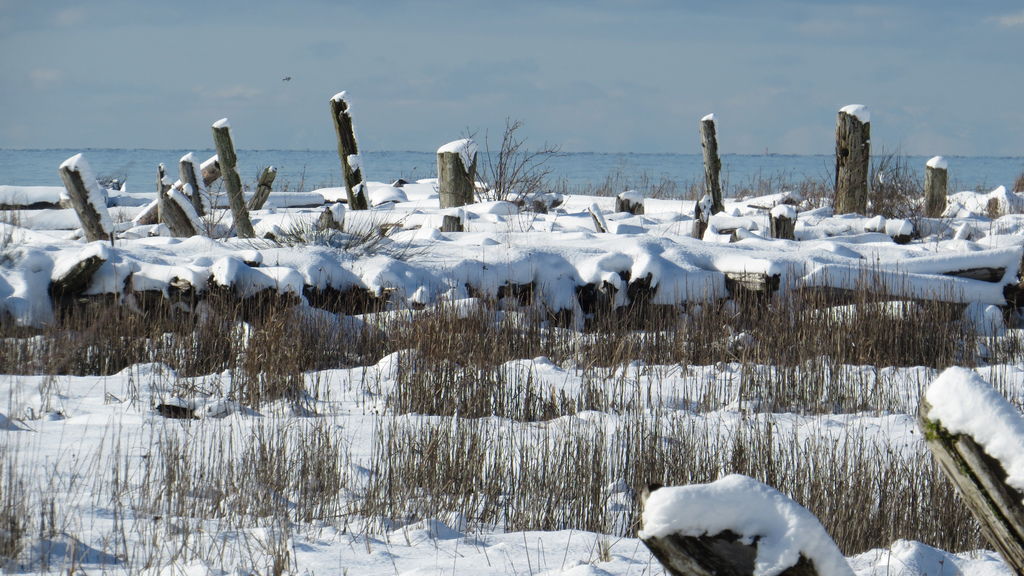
x=92 y=455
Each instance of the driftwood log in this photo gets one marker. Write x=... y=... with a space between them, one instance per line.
x=981 y=481
x=719 y=555
x=232 y=181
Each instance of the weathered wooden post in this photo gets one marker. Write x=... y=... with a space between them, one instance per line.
x=452 y=223
x=853 y=156
x=702 y=216
x=189 y=182
x=973 y=432
x=936 y=177
x=456 y=171
x=712 y=163
x=600 y=224
x=348 y=152
x=266 y=180
x=232 y=181
x=630 y=201
x=332 y=217
x=87 y=198
x=175 y=210
x=783 y=222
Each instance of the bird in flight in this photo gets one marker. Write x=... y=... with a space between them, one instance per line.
x=286 y=79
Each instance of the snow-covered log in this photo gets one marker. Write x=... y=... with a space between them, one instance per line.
x=783 y=222
x=189 y=184
x=736 y=526
x=172 y=209
x=712 y=163
x=630 y=201
x=73 y=273
x=232 y=182
x=87 y=198
x=978 y=439
x=456 y=169
x=348 y=153
x=266 y=180
x=853 y=156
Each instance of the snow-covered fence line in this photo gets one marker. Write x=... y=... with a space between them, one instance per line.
x=736 y=526
x=977 y=436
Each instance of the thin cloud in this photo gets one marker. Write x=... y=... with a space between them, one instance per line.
x=1011 y=20
x=69 y=17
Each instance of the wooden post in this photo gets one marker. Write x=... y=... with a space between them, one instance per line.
x=210 y=171
x=172 y=212
x=87 y=198
x=332 y=218
x=630 y=201
x=853 y=155
x=348 y=152
x=451 y=223
x=456 y=170
x=981 y=481
x=712 y=163
x=702 y=216
x=783 y=222
x=189 y=182
x=232 y=182
x=600 y=224
x=936 y=176
x=263 y=188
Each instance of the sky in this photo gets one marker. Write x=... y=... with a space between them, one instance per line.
x=939 y=77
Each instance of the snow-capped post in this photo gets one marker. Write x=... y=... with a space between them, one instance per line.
x=87 y=198
x=702 y=216
x=189 y=182
x=348 y=152
x=712 y=163
x=232 y=181
x=978 y=439
x=853 y=157
x=266 y=180
x=600 y=224
x=783 y=222
x=452 y=223
x=736 y=526
x=456 y=173
x=630 y=201
x=175 y=210
x=936 y=177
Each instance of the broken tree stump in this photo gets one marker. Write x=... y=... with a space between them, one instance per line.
x=936 y=176
x=456 y=171
x=630 y=201
x=348 y=153
x=451 y=223
x=232 y=181
x=783 y=222
x=600 y=224
x=87 y=198
x=853 y=155
x=702 y=216
x=176 y=211
x=72 y=276
x=189 y=182
x=973 y=456
x=712 y=163
x=266 y=180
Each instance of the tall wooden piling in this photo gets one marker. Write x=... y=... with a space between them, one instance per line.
x=456 y=170
x=232 y=181
x=263 y=186
x=936 y=178
x=712 y=163
x=348 y=153
x=187 y=175
x=853 y=156
x=87 y=199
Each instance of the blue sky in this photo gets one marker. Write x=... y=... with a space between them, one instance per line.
x=627 y=76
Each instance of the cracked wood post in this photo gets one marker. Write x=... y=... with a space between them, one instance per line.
x=171 y=212
x=712 y=163
x=210 y=172
x=189 y=182
x=232 y=182
x=981 y=482
x=87 y=198
x=936 y=177
x=456 y=173
x=853 y=155
x=266 y=180
x=348 y=153
x=702 y=216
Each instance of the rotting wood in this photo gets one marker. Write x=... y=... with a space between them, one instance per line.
x=171 y=213
x=712 y=163
x=348 y=153
x=90 y=215
x=783 y=228
x=232 y=181
x=629 y=202
x=76 y=279
x=190 y=184
x=450 y=223
x=936 y=176
x=455 y=180
x=263 y=186
x=853 y=152
x=981 y=482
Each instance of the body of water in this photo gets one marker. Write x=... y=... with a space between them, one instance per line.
x=303 y=170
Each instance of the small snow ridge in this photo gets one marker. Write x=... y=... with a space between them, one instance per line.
x=339 y=97
x=859 y=111
x=783 y=529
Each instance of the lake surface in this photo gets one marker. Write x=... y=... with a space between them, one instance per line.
x=300 y=170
